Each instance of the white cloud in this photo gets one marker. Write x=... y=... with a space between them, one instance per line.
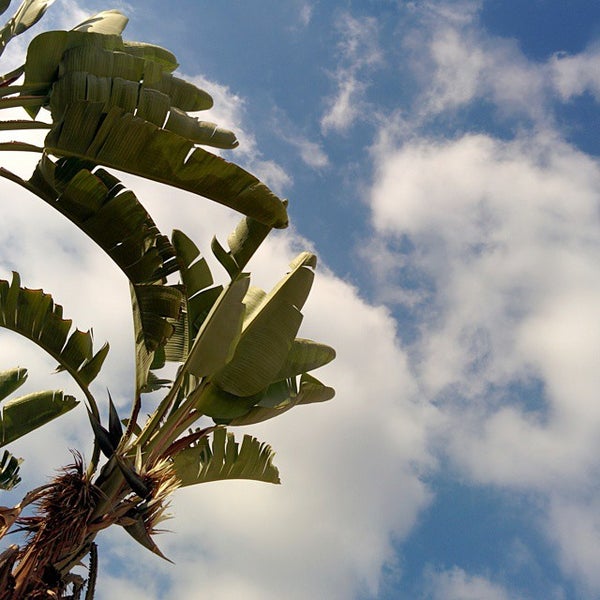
x=500 y=243
x=456 y=584
x=575 y=74
x=359 y=53
x=574 y=525
x=306 y=13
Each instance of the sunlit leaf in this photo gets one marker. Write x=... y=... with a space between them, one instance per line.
x=22 y=415
x=226 y=459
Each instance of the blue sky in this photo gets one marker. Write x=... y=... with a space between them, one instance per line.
x=441 y=157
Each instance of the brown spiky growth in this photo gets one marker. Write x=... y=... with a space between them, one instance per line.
x=58 y=535
x=163 y=483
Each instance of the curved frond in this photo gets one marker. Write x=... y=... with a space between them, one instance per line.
x=107 y=22
x=268 y=333
x=120 y=140
x=33 y=314
x=11 y=380
x=22 y=415
x=226 y=459
x=284 y=396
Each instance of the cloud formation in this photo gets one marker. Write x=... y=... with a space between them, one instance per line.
x=359 y=52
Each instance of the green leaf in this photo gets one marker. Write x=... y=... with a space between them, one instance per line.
x=305 y=355
x=221 y=406
x=22 y=415
x=245 y=240
x=11 y=380
x=268 y=333
x=120 y=140
x=226 y=459
x=281 y=399
x=154 y=309
x=219 y=334
x=9 y=471
x=22 y=124
x=33 y=314
x=27 y=15
x=107 y=22
x=156 y=54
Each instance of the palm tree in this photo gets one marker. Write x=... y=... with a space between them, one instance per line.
x=116 y=104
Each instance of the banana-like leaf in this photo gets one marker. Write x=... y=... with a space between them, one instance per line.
x=196 y=277
x=305 y=355
x=222 y=407
x=123 y=141
x=112 y=66
x=155 y=308
x=107 y=22
x=27 y=15
x=225 y=459
x=33 y=314
x=11 y=380
x=216 y=341
x=268 y=332
x=243 y=243
x=156 y=54
x=9 y=473
x=22 y=124
x=114 y=218
x=283 y=396
x=22 y=415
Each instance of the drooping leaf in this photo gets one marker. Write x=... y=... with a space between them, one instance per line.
x=11 y=380
x=305 y=355
x=24 y=414
x=123 y=141
x=225 y=459
x=153 y=53
x=281 y=399
x=222 y=407
x=33 y=314
x=245 y=239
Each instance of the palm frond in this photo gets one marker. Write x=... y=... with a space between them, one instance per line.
x=226 y=459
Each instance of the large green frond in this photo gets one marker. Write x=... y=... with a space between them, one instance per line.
x=283 y=396
x=268 y=333
x=226 y=459
x=107 y=22
x=120 y=140
x=11 y=380
x=22 y=415
x=33 y=314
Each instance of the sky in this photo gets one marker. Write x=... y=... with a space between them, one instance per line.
x=442 y=159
